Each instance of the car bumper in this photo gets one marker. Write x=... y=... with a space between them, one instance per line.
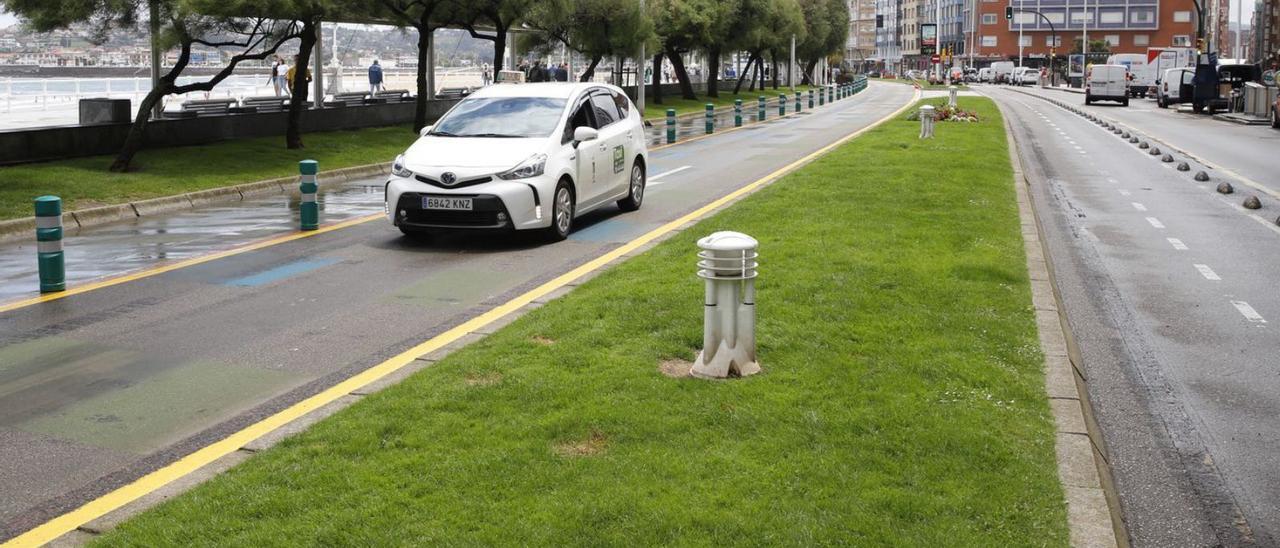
x=521 y=205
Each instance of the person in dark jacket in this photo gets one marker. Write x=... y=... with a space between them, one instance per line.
x=375 y=77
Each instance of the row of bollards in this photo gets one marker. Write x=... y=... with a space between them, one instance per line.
x=51 y=259
x=1251 y=202
x=834 y=92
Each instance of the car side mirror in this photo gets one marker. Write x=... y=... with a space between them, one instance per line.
x=425 y=130
x=584 y=133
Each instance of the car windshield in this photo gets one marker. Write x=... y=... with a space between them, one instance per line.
x=502 y=117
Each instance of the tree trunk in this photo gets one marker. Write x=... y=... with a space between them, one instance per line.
x=742 y=77
x=682 y=76
x=298 y=104
x=754 y=69
x=591 y=69
x=713 y=72
x=657 y=79
x=499 y=47
x=774 y=56
x=808 y=72
x=424 y=93
x=133 y=141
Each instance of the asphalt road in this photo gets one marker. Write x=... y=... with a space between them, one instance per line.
x=1169 y=288
x=98 y=388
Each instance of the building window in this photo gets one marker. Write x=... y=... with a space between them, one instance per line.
x=988 y=41
x=1145 y=16
x=1182 y=17
x=1141 y=39
x=1078 y=16
x=1025 y=19
x=988 y=18
x=1181 y=41
x=1024 y=41
x=1113 y=40
x=1051 y=42
x=1055 y=17
x=1111 y=17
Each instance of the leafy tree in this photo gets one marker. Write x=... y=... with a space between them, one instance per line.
x=594 y=28
x=499 y=15
x=683 y=26
x=183 y=24
x=425 y=17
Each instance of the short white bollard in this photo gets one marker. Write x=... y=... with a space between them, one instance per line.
x=951 y=99
x=728 y=264
x=926 y=122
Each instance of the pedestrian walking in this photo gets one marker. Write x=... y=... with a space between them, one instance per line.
x=562 y=74
x=485 y=75
x=278 y=80
x=293 y=72
x=375 y=77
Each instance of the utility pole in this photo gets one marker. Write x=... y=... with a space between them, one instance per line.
x=1239 y=27
x=791 y=67
x=1017 y=20
x=318 y=61
x=1084 y=45
x=937 y=38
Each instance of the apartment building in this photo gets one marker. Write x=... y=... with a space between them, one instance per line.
x=1128 y=26
x=861 y=44
x=888 y=55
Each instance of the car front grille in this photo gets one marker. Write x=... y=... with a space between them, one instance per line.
x=459 y=184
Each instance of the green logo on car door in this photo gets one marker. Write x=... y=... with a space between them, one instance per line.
x=619 y=159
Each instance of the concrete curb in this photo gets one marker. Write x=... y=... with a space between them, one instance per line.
x=88 y=531
x=1093 y=511
x=24 y=228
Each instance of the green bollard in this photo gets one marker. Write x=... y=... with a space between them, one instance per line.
x=810 y=99
x=831 y=94
x=711 y=118
x=310 y=211
x=737 y=113
x=760 y=113
x=782 y=104
x=822 y=97
x=671 y=125
x=49 y=257
x=797 y=102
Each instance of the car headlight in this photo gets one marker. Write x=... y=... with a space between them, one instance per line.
x=398 y=169
x=531 y=167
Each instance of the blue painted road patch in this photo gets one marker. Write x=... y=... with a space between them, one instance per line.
x=280 y=272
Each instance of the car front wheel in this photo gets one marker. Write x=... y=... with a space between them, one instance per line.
x=561 y=212
x=635 y=196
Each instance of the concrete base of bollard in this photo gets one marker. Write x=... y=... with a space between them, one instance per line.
x=726 y=362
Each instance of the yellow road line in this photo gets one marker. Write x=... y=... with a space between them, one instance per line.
x=185 y=263
x=96 y=508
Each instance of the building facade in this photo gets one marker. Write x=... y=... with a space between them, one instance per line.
x=1054 y=26
x=888 y=55
x=861 y=44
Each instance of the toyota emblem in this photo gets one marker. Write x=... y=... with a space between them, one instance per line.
x=448 y=178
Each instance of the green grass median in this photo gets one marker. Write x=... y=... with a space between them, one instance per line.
x=901 y=402
x=85 y=182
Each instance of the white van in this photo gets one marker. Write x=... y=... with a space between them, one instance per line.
x=1175 y=86
x=985 y=74
x=1107 y=83
x=1142 y=79
x=1000 y=71
x=1160 y=60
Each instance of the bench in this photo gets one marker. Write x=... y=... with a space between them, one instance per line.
x=349 y=99
x=266 y=103
x=453 y=93
x=203 y=107
x=393 y=95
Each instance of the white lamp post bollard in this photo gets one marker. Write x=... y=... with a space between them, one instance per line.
x=728 y=264
x=926 y=122
x=951 y=97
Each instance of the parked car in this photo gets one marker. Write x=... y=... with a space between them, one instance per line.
x=521 y=157
x=1175 y=86
x=1025 y=76
x=985 y=74
x=1107 y=83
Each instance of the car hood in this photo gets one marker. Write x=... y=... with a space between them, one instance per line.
x=471 y=152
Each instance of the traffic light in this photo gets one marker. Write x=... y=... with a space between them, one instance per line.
x=1200 y=44
x=1008 y=13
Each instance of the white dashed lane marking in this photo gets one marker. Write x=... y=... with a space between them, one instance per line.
x=1155 y=222
x=1177 y=244
x=1124 y=192
x=1139 y=206
x=1207 y=272
x=1248 y=312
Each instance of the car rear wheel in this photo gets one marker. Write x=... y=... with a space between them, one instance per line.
x=1197 y=107
x=1275 y=120
x=561 y=212
x=635 y=196
x=1125 y=102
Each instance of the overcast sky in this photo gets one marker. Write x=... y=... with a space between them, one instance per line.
x=6 y=20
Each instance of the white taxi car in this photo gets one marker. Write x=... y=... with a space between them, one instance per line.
x=523 y=157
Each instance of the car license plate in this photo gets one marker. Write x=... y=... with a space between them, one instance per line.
x=436 y=202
